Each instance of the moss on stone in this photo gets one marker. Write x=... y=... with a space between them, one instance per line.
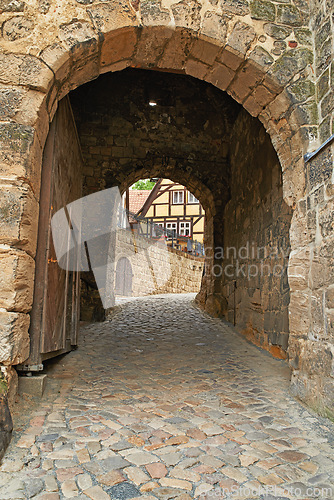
x=290 y=63
x=276 y=31
x=261 y=9
x=301 y=90
x=289 y=14
x=303 y=36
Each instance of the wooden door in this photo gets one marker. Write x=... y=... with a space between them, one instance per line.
x=55 y=313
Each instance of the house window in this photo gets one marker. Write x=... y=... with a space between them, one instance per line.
x=185 y=228
x=178 y=197
x=172 y=228
x=157 y=229
x=191 y=198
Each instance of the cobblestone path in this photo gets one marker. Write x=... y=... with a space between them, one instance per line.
x=164 y=402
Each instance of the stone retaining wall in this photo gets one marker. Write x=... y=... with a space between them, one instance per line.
x=158 y=268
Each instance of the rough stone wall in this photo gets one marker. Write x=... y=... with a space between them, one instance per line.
x=157 y=268
x=49 y=48
x=322 y=26
x=311 y=271
x=257 y=245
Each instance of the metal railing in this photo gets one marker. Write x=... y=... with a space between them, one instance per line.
x=148 y=229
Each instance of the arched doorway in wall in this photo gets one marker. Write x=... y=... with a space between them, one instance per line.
x=205 y=43
x=202 y=138
x=124 y=275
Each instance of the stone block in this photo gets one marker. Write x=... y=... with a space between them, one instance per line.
x=246 y=79
x=34 y=385
x=112 y=16
x=204 y=51
x=303 y=36
x=58 y=58
x=326 y=221
x=11 y=379
x=290 y=64
x=298 y=270
x=261 y=57
x=300 y=313
x=196 y=69
x=252 y=106
x=220 y=76
x=231 y=58
x=19 y=212
x=14 y=341
x=187 y=14
x=214 y=26
x=262 y=95
x=276 y=31
x=16 y=28
x=17 y=280
x=301 y=90
x=11 y=6
x=82 y=72
x=176 y=51
x=150 y=46
x=241 y=37
x=263 y=10
x=330 y=298
x=118 y=46
x=319 y=169
x=152 y=14
x=79 y=38
x=25 y=70
x=239 y=7
x=289 y=15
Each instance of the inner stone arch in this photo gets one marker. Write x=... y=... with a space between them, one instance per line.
x=200 y=137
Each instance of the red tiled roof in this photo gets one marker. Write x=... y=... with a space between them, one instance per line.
x=137 y=198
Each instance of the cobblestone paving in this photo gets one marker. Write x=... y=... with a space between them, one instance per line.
x=163 y=402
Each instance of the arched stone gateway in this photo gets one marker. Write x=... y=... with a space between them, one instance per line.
x=273 y=58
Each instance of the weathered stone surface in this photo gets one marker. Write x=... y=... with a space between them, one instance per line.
x=14 y=342
x=11 y=6
x=301 y=90
x=25 y=70
x=319 y=169
x=323 y=85
x=16 y=140
x=17 y=277
x=214 y=26
x=6 y=424
x=44 y=6
x=187 y=14
x=117 y=47
x=17 y=27
x=303 y=36
x=261 y=57
x=288 y=14
x=241 y=37
x=277 y=31
x=107 y=17
x=10 y=100
x=262 y=9
x=152 y=14
x=239 y=7
x=290 y=63
x=78 y=34
x=18 y=218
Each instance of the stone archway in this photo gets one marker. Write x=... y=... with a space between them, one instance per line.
x=222 y=45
